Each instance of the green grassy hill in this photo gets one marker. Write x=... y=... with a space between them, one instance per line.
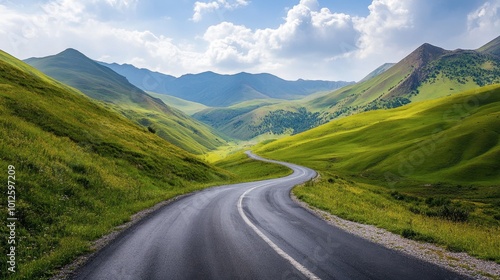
x=82 y=169
x=185 y=106
x=216 y=90
x=247 y=120
x=101 y=83
x=428 y=72
x=390 y=165
x=493 y=47
x=463 y=141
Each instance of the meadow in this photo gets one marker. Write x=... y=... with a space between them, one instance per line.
x=427 y=171
x=82 y=169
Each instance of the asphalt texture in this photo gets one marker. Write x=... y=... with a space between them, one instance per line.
x=248 y=231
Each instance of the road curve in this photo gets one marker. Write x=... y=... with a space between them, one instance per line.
x=248 y=231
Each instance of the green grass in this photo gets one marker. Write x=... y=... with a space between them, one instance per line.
x=444 y=149
x=233 y=159
x=372 y=204
x=251 y=119
x=247 y=169
x=442 y=87
x=101 y=83
x=82 y=169
x=176 y=128
x=185 y=106
x=350 y=99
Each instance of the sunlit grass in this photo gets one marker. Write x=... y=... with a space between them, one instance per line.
x=82 y=169
x=374 y=205
x=248 y=169
x=446 y=149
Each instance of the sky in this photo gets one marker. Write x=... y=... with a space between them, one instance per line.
x=308 y=39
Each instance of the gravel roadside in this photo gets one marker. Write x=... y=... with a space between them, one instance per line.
x=461 y=263
x=67 y=271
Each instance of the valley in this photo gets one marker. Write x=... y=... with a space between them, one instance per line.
x=426 y=171
x=412 y=148
x=83 y=169
x=427 y=73
x=101 y=83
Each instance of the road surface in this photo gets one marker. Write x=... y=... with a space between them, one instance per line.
x=248 y=231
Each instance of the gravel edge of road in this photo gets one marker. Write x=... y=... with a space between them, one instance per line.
x=461 y=263
x=67 y=271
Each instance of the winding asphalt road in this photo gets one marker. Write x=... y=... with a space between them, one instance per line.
x=248 y=231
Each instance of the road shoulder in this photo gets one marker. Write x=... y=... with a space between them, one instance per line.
x=461 y=263
x=67 y=271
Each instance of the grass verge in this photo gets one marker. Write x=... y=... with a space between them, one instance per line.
x=372 y=204
x=246 y=169
x=81 y=170
x=427 y=171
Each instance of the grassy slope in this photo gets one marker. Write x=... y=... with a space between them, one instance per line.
x=492 y=47
x=443 y=87
x=243 y=121
x=428 y=72
x=386 y=167
x=390 y=135
x=366 y=91
x=99 y=82
x=235 y=120
x=249 y=169
x=81 y=169
x=458 y=71
x=185 y=106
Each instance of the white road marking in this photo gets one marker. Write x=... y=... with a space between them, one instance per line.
x=275 y=247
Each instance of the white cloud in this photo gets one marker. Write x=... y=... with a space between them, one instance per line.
x=387 y=20
x=311 y=42
x=62 y=24
x=486 y=16
x=310 y=4
x=231 y=46
x=122 y=4
x=201 y=8
x=64 y=11
x=306 y=32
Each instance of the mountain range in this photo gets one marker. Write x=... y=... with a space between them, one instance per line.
x=381 y=69
x=412 y=148
x=101 y=83
x=427 y=73
x=216 y=90
x=427 y=171
x=81 y=168
x=244 y=106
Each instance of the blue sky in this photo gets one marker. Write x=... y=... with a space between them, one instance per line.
x=310 y=39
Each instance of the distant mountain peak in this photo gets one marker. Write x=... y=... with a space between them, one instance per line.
x=381 y=69
x=426 y=47
x=219 y=90
x=424 y=54
x=492 y=47
x=70 y=51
